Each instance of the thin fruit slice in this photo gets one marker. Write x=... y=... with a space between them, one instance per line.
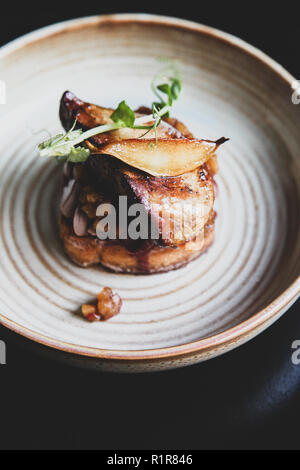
x=169 y=157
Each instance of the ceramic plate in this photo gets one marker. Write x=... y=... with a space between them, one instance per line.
x=250 y=275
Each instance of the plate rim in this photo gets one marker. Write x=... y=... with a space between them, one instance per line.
x=229 y=338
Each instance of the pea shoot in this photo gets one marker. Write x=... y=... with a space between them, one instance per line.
x=166 y=86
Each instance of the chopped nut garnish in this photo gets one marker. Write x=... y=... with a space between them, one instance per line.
x=108 y=305
x=90 y=312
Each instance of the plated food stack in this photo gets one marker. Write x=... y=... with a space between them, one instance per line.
x=164 y=170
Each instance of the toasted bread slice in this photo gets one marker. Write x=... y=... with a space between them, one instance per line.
x=146 y=258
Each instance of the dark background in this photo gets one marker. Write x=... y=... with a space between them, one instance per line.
x=248 y=398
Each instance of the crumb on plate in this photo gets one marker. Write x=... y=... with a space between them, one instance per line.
x=108 y=305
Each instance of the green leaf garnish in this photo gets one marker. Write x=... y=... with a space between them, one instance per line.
x=64 y=147
x=165 y=88
x=123 y=115
x=78 y=154
x=176 y=88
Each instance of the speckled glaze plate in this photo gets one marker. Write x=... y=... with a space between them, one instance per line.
x=245 y=281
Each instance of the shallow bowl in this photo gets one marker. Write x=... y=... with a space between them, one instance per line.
x=245 y=281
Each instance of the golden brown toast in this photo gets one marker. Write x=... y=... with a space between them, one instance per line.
x=143 y=258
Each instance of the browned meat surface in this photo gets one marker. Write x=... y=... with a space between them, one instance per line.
x=171 y=201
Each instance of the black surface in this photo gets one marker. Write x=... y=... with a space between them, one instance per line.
x=248 y=398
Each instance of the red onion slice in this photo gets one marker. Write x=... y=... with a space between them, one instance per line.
x=80 y=223
x=69 y=198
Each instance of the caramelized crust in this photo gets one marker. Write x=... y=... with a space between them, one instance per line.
x=167 y=200
x=147 y=258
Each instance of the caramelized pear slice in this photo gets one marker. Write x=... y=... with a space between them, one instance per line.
x=169 y=157
x=89 y=115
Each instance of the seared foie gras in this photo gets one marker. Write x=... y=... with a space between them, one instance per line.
x=163 y=199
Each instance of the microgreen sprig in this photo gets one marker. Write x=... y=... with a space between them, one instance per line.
x=166 y=86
